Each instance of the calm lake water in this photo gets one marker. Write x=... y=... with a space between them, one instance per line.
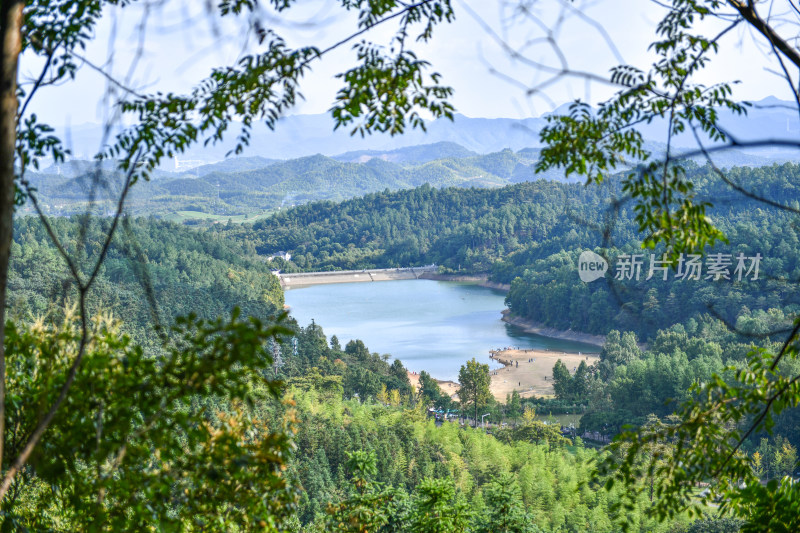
x=429 y=325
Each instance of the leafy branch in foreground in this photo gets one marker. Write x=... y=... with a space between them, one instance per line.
x=387 y=88
x=706 y=446
x=174 y=442
x=596 y=145
x=729 y=408
x=259 y=88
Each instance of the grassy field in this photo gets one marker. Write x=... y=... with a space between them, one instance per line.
x=183 y=216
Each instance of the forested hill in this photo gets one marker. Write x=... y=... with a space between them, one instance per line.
x=468 y=228
x=184 y=271
x=529 y=233
x=255 y=186
x=243 y=189
x=534 y=232
x=410 y=154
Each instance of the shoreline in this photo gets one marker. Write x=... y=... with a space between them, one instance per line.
x=530 y=326
x=308 y=279
x=527 y=371
x=530 y=369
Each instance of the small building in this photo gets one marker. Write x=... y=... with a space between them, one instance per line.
x=286 y=256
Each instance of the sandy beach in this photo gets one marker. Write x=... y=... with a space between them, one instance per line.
x=528 y=371
x=531 y=371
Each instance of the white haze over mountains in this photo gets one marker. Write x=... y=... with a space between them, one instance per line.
x=302 y=135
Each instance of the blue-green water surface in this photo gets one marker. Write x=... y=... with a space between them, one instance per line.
x=429 y=325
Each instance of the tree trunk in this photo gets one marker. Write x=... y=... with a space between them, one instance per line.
x=11 y=43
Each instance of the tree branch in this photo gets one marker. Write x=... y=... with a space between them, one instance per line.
x=83 y=288
x=748 y=12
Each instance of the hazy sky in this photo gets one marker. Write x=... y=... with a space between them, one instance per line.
x=182 y=44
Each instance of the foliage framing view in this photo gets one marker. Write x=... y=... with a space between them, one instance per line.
x=721 y=414
x=383 y=92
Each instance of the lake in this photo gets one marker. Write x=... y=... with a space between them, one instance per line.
x=429 y=325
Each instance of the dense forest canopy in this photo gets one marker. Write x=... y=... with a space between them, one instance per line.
x=347 y=398
x=518 y=230
x=155 y=272
x=224 y=267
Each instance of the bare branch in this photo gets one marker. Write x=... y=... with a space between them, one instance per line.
x=748 y=11
x=735 y=186
x=558 y=72
x=37 y=83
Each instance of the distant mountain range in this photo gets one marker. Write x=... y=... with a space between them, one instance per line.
x=410 y=154
x=256 y=185
x=302 y=135
x=259 y=184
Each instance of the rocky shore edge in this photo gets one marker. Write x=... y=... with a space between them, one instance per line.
x=523 y=323
x=533 y=327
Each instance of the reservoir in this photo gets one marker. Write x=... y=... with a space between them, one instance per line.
x=429 y=325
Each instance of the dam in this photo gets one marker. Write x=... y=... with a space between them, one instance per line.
x=306 y=279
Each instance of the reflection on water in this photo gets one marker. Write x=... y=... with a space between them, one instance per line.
x=429 y=325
